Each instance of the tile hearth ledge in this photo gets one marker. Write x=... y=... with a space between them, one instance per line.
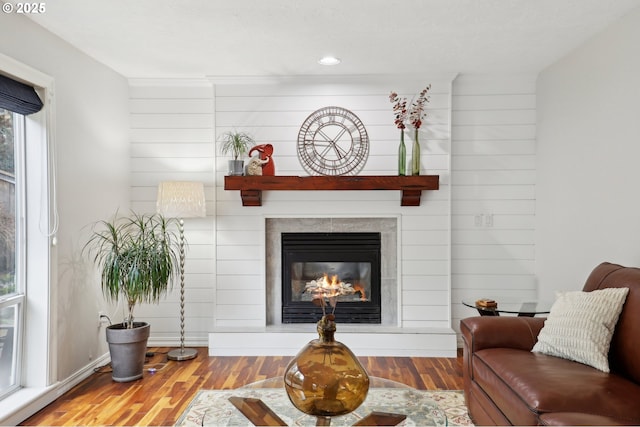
x=251 y=187
x=362 y=339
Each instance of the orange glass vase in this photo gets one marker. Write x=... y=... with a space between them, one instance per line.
x=325 y=379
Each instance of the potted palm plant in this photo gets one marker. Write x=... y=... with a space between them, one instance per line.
x=236 y=144
x=138 y=257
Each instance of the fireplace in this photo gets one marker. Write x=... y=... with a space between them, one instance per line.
x=349 y=261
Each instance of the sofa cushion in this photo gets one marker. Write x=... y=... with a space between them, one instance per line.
x=525 y=385
x=580 y=326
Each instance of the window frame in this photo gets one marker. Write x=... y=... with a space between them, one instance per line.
x=18 y=298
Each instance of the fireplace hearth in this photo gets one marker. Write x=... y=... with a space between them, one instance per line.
x=350 y=261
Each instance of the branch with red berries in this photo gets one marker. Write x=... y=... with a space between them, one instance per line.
x=399 y=109
x=415 y=114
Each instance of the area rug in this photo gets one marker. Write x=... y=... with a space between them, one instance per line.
x=422 y=407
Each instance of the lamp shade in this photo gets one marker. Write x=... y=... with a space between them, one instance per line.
x=181 y=199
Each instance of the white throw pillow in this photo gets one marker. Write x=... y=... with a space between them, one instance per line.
x=580 y=326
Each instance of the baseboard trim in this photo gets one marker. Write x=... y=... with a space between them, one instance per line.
x=25 y=402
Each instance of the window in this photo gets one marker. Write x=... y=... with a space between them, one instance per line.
x=11 y=255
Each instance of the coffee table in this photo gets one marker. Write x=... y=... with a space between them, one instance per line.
x=266 y=403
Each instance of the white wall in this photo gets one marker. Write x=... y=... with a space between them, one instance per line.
x=92 y=153
x=588 y=209
x=172 y=139
x=89 y=141
x=273 y=112
x=174 y=125
x=587 y=133
x=493 y=190
x=174 y=128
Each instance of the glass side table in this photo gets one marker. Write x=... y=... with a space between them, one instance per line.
x=266 y=403
x=523 y=309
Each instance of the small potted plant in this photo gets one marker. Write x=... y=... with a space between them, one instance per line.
x=235 y=144
x=138 y=257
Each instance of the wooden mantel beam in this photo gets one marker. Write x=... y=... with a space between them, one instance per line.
x=251 y=187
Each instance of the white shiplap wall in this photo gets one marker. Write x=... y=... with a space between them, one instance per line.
x=445 y=256
x=493 y=190
x=273 y=111
x=172 y=139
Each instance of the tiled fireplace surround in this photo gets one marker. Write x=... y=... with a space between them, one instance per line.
x=386 y=339
x=387 y=227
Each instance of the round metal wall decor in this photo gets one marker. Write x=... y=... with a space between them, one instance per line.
x=333 y=141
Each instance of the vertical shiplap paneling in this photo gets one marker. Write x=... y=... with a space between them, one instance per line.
x=272 y=111
x=172 y=139
x=493 y=190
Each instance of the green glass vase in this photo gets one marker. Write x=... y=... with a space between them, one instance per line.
x=325 y=379
x=415 y=155
x=402 y=155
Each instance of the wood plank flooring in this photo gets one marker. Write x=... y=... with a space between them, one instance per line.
x=159 y=398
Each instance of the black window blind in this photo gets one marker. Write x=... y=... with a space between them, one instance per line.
x=18 y=97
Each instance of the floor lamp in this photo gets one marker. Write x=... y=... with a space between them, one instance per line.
x=181 y=199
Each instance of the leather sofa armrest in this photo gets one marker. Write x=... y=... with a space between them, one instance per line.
x=506 y=332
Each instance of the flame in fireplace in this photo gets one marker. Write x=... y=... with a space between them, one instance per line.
x=359 y=288
x=328 y=287
x=331 y=287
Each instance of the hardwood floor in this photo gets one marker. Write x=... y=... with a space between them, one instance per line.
x=160 y=398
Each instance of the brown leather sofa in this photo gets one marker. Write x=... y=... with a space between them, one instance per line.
x=506 y=384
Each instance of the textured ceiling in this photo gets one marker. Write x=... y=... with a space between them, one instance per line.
x=195 y=38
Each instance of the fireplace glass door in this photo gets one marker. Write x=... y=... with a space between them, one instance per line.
x=345 y=263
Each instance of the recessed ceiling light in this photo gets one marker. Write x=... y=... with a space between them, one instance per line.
x=329 y=60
